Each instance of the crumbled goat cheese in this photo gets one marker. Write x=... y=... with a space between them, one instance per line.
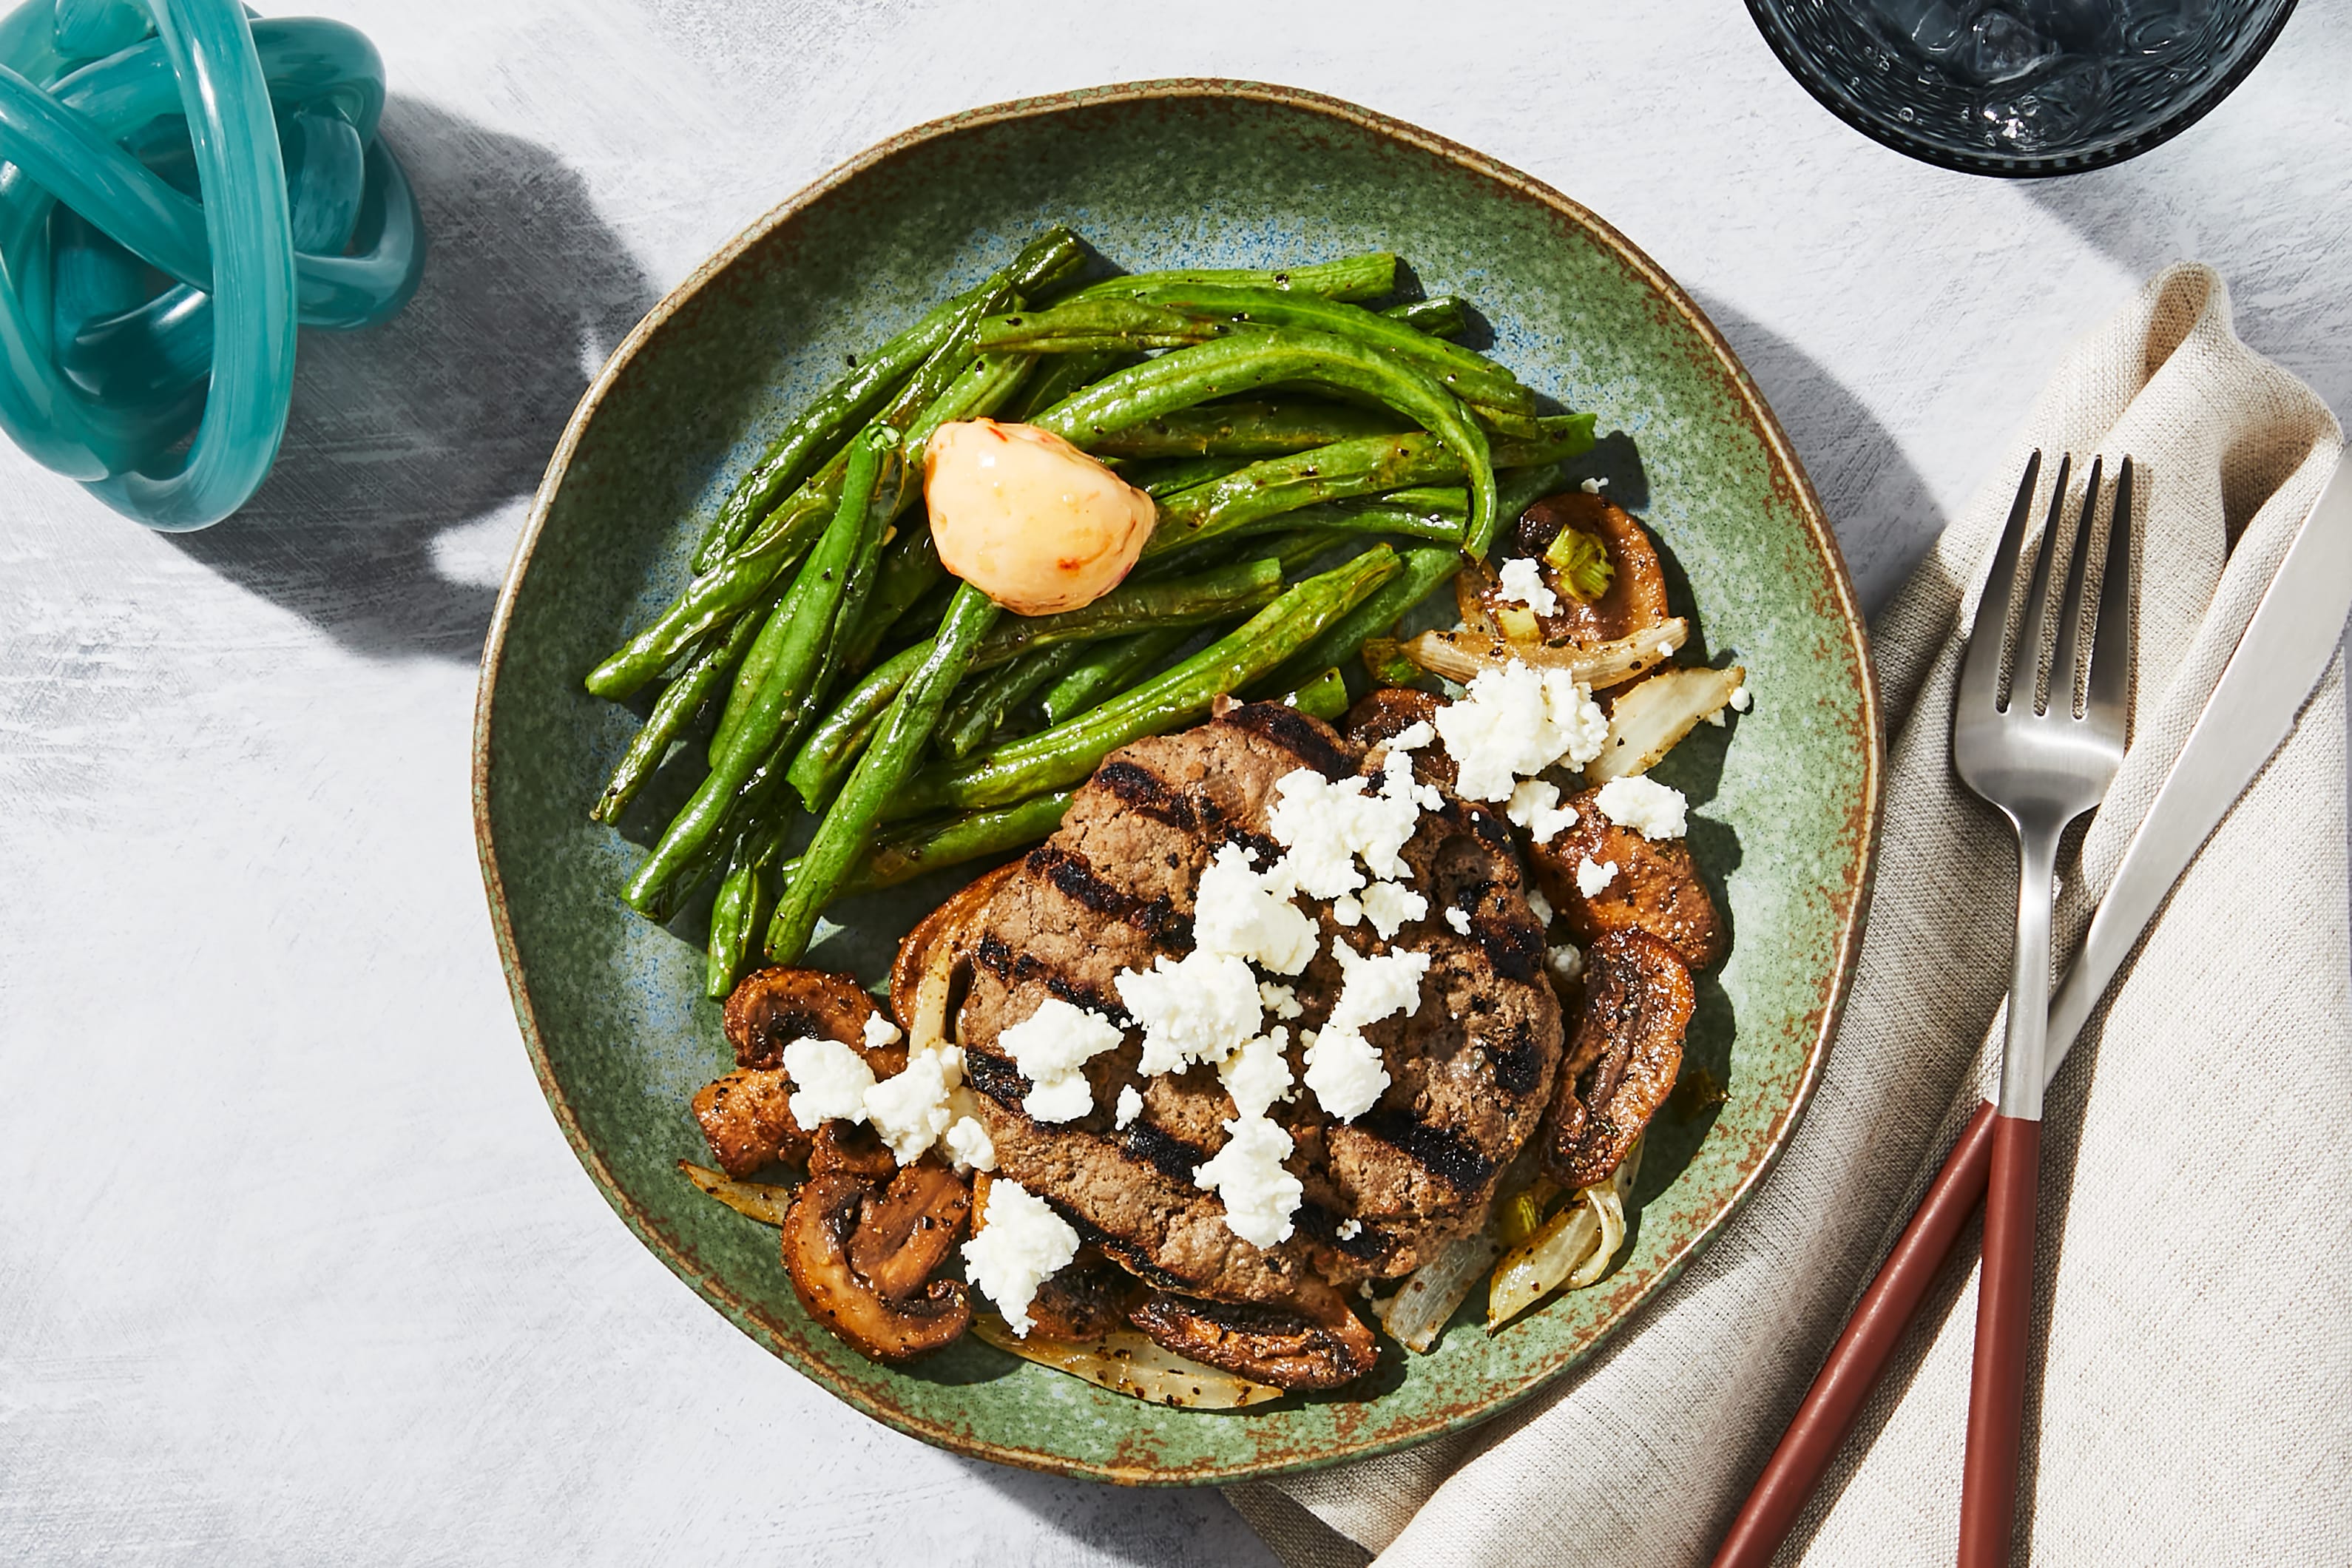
x=1665 y=650
x=1397 y=782
x=1234 y=911
x=829 y=1080
x=1198 y=1010
x=1413 y=737
x=1458 y=918
x=1388 y=905
x=1594 y=487
x=1540 y=904
x=1347 y=909
x=1348 y=1230
x=1715 y=717
x=1591 y=878
x=1517 y=721
x=1522 y=580
x=1534 y=806
x=1567 y=962
x=1325 y=827
x=1130 y=1106
x=1739 y=697
x=969 y=1147
x=1343 y=1068
x=1259 y=1073
x=1641 y=803
x=1022 y=1242
x=1259 y=1195
x=1278 y=999
x=911 y=1109
x=1051 y=1048
x=879 y=1031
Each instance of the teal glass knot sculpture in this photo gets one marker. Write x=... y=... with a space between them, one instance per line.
x=180 y=186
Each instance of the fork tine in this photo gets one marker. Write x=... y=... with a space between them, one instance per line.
x=2111 y=647
x=2070 y=601
x=1981 y=665
x=2026 y=663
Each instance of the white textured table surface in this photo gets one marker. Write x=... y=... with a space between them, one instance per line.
x=294 y=1264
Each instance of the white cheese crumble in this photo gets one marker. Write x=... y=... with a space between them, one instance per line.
x=1343 y=1068
x=1594 y=487
x=1517 y=721
x=1389 y=905
x=1740 y=701
x=1459 y=918
x=879 y=1031
x=1325 y=827
x=1397 y=782
x=1247 y=1173
x=1348 y=1229
x=829 y=1080
x=1051 y=1048
x=1665 y=650
x=1591 y=878
x=1234 y=911
x=911 y=1109
x=1278 y=999
x=1567 y=962
x=1130 y=1106
x=1639 y=802
x=1022 y=1242
x=1413 y=737
x=1540 y=904
x=1259 y=1073
x=1522 y=580
x=1534 y=806
x=1347 y=909
x=970 y=1146
x=1198 y=1010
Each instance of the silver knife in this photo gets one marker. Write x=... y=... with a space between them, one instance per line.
x=2280 y=657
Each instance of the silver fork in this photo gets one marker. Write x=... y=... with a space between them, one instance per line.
x=2043 y=765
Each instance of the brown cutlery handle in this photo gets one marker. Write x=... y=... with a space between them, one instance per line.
x=1861 y=1352
x=2004 y=1325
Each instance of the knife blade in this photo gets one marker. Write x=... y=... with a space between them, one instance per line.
x=2280 y=657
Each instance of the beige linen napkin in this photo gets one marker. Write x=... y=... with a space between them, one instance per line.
x=2195 y=1400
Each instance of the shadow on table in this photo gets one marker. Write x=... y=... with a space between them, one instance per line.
x=442 y=416
x=1884 y=517
x=1140 y=1526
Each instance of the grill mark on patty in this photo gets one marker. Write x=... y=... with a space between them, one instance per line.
x=998 y=956
x=1323 y=1225
x=1295 y=732
x=1519 y=1068
x=1074 y=877
x=1144 y=792
x=1164 y=1151
x=1443 y=1153
x=996 y=1078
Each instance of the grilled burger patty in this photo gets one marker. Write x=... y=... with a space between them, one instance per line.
x=1470 y=1071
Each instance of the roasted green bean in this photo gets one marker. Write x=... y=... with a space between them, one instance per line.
x=679 y=702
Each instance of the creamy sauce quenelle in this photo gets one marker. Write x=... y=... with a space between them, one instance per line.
x=1028 y=518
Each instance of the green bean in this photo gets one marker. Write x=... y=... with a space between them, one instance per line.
x=1166 y=475
x=950 y=385
x=1365 y=277
x=1067 y=752
x=1227 y=590
x=1421 y=572
x=839 y=410
x=799 y=628
x=1062 y=375
x=911 y=568
x=1235 y=364
x=1246 y=431
x=833 y=745
x=1446 y=316
x=1174 y=315
x=980 y=706
x=741 y=912
x=680 y=701
x=848 y=827
x=927 y=847
x=1380 y=515
x=1326 y=696
x=1108 y=667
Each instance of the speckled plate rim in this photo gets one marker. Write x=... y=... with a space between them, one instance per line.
x=1788 y=473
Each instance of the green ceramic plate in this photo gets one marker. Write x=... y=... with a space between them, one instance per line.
x=1161 y=174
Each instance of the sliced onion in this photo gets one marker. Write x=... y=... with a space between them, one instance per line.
x=1574 y=1248
x=1127 y=1363
x=1427 y=1300
x=1461 y=655
x=761 y=1201
x=1648 y=719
